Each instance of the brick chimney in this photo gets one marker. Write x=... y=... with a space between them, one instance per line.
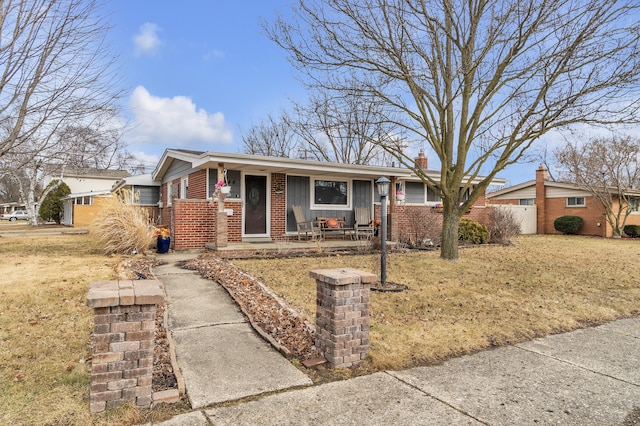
x=541 y=199
x=421 y=161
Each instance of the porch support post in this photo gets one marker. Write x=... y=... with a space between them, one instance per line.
x=222 y=228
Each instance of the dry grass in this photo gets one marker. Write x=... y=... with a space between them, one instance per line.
x=122 y=226
x=492 y=296
x=44 y=331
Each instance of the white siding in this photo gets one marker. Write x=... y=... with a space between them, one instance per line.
x=529 y=192
x=565 y=192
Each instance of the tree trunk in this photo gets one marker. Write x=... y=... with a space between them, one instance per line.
x=450 y=224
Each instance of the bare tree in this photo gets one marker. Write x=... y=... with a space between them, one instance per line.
x=73 y=146
x=341 y=129
x=609 y=169
x=272 y=137
x=55 y=68
x=477 y=81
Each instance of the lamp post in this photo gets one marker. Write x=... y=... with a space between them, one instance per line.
x=383 y=189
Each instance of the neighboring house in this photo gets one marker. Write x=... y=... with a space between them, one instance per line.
x=88 y=187
x=145 y=192
x=81 y=208
x=88 y=180
x=264 y=189
x=11 y=207
x=548 y=200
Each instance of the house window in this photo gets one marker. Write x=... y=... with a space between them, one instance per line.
x=169 y=200
x=525 y=201
x=634 y=205
x=414 y=192
x=432 y=196
x=184 y=187
x=330 y=193
x=575 y=202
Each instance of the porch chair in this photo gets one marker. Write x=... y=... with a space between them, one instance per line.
x=363 y=225
x=307 y=226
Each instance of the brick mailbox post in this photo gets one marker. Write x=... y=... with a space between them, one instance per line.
x=342 y=314
x=123 y=341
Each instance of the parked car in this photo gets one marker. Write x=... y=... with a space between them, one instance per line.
x=16 y=215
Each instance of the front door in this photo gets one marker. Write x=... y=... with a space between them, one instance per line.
x=255 y=201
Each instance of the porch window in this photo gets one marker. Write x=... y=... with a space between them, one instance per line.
x=331 y=193
x=414 y=192
x=575 y=202
x=525 y=201
x=432 y=196
x=184 y=187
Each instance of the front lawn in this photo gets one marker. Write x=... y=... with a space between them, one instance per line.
x=493 y=295
x=45 y=329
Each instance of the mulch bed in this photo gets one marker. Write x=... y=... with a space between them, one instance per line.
x=268 y=313
x=140 y=267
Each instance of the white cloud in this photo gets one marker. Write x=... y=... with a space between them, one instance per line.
x=175 y=121
x=146 y=42
x=149 y=160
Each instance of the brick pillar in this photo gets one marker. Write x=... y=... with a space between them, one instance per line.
x=123 y=341
x=222 y=229
x=342 y=314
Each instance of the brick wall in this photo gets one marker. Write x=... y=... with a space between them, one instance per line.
x=407 y=220
x=194 y=224
x=198 y=185
x=592 y=214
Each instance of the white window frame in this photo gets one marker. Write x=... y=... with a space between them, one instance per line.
x=584 y=202
x=312 y=198
x=184 y=187
x=634 y=205
x=169 y=185
x=527 y=201
x=424 y=193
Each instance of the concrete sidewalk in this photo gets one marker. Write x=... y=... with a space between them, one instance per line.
x=586 y=377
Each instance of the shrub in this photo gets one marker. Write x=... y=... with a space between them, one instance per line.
x=122 y=226
x=568 y=224
x=632 y=230
x=504 y=226
x=473 y=232
x=52 y=207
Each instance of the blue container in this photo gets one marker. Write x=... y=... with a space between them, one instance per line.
x=163 y=244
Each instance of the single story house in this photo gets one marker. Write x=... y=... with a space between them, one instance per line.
x=264 y=190
x=549 y=200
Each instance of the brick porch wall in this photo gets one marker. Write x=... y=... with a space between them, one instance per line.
x=194 y=225
x=406 y=218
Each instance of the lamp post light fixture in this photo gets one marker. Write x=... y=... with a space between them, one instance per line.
x=383 y=189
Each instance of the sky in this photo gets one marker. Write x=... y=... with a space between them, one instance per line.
x=199 y=71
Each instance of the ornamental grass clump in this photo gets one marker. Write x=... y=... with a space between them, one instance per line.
x=122 y=226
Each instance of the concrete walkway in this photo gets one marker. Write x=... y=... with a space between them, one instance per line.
x=221 y=357
x=586 y=377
